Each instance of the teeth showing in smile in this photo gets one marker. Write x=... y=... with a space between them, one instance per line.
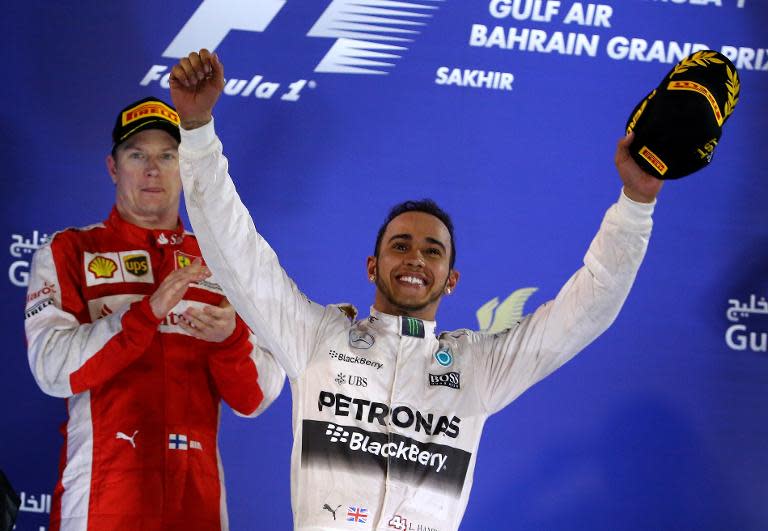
x=412 y=280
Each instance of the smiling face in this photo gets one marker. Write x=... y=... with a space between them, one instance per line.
x=145 y=170
x=412 y=270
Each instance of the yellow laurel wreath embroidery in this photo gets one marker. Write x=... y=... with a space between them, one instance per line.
x=639 y=112
x=733 y=91
x=701 y=58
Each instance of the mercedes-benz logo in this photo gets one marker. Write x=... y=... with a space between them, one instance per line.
x=361 y=340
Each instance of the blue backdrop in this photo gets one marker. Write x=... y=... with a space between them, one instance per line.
x=507 y=113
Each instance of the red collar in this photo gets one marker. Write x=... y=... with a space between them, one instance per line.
x=140 y=235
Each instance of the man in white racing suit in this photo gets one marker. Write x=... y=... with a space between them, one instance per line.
x=387 y=414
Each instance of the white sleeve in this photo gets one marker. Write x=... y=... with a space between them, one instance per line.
x=513 y=360
x=284 y=319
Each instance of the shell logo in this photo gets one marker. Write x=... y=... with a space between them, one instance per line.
x=102 y=267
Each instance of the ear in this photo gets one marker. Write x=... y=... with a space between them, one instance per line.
x=112 y=167
x=453 y=279
x=370 y=266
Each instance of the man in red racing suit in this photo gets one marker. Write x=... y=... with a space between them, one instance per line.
x=124 y=321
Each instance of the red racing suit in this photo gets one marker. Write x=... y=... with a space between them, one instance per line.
x=143 y=397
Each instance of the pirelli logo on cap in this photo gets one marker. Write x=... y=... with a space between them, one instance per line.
x=653 y=160
x=148 y=110
x=701 y=89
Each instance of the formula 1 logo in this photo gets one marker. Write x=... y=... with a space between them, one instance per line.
x=369 y=36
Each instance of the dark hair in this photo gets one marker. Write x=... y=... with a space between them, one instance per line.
x=427 y=206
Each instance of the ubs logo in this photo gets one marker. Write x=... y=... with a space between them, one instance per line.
x=351 y=379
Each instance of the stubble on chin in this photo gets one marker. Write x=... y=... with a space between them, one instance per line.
x=406 y=309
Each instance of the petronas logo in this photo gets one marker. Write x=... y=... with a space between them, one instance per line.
x=494 y=317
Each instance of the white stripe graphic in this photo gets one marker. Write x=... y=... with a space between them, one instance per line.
x=370 y=34
x=76 y=478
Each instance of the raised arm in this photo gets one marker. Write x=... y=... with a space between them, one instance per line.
x=283 y=319
x=586 y=305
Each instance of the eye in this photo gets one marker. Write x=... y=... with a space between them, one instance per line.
x=168 y=156
x=399 y=246
x=435 y=251
x=136 y=155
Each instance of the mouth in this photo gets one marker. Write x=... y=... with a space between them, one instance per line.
x=152 y=190
x=411 y=280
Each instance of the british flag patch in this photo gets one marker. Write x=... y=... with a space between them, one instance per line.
x=357 y=515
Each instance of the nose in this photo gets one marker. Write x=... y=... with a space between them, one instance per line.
x=415 y=259
x=151 y=169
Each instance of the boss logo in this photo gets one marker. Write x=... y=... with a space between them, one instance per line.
x=449 y=379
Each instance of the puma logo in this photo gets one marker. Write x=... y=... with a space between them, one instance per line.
x=332 y=511
x=123 y=436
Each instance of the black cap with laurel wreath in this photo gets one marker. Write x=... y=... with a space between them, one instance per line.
x=678 y=125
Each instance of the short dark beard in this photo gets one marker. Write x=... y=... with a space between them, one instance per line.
x=407 y=310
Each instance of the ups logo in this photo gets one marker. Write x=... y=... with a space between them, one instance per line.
x=136 y=264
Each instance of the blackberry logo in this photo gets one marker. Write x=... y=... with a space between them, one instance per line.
x=337 y=433
x=380 y=444
x=357 y=360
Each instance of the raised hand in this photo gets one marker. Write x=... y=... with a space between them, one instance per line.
x=639 y=185
x=212 y=323
x=196 y=84
x=172 y=289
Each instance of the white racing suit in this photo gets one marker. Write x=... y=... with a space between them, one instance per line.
x=387 y=415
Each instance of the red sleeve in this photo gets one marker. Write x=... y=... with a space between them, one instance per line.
x=139 y=327
x=234 y=371
x=67 y=355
